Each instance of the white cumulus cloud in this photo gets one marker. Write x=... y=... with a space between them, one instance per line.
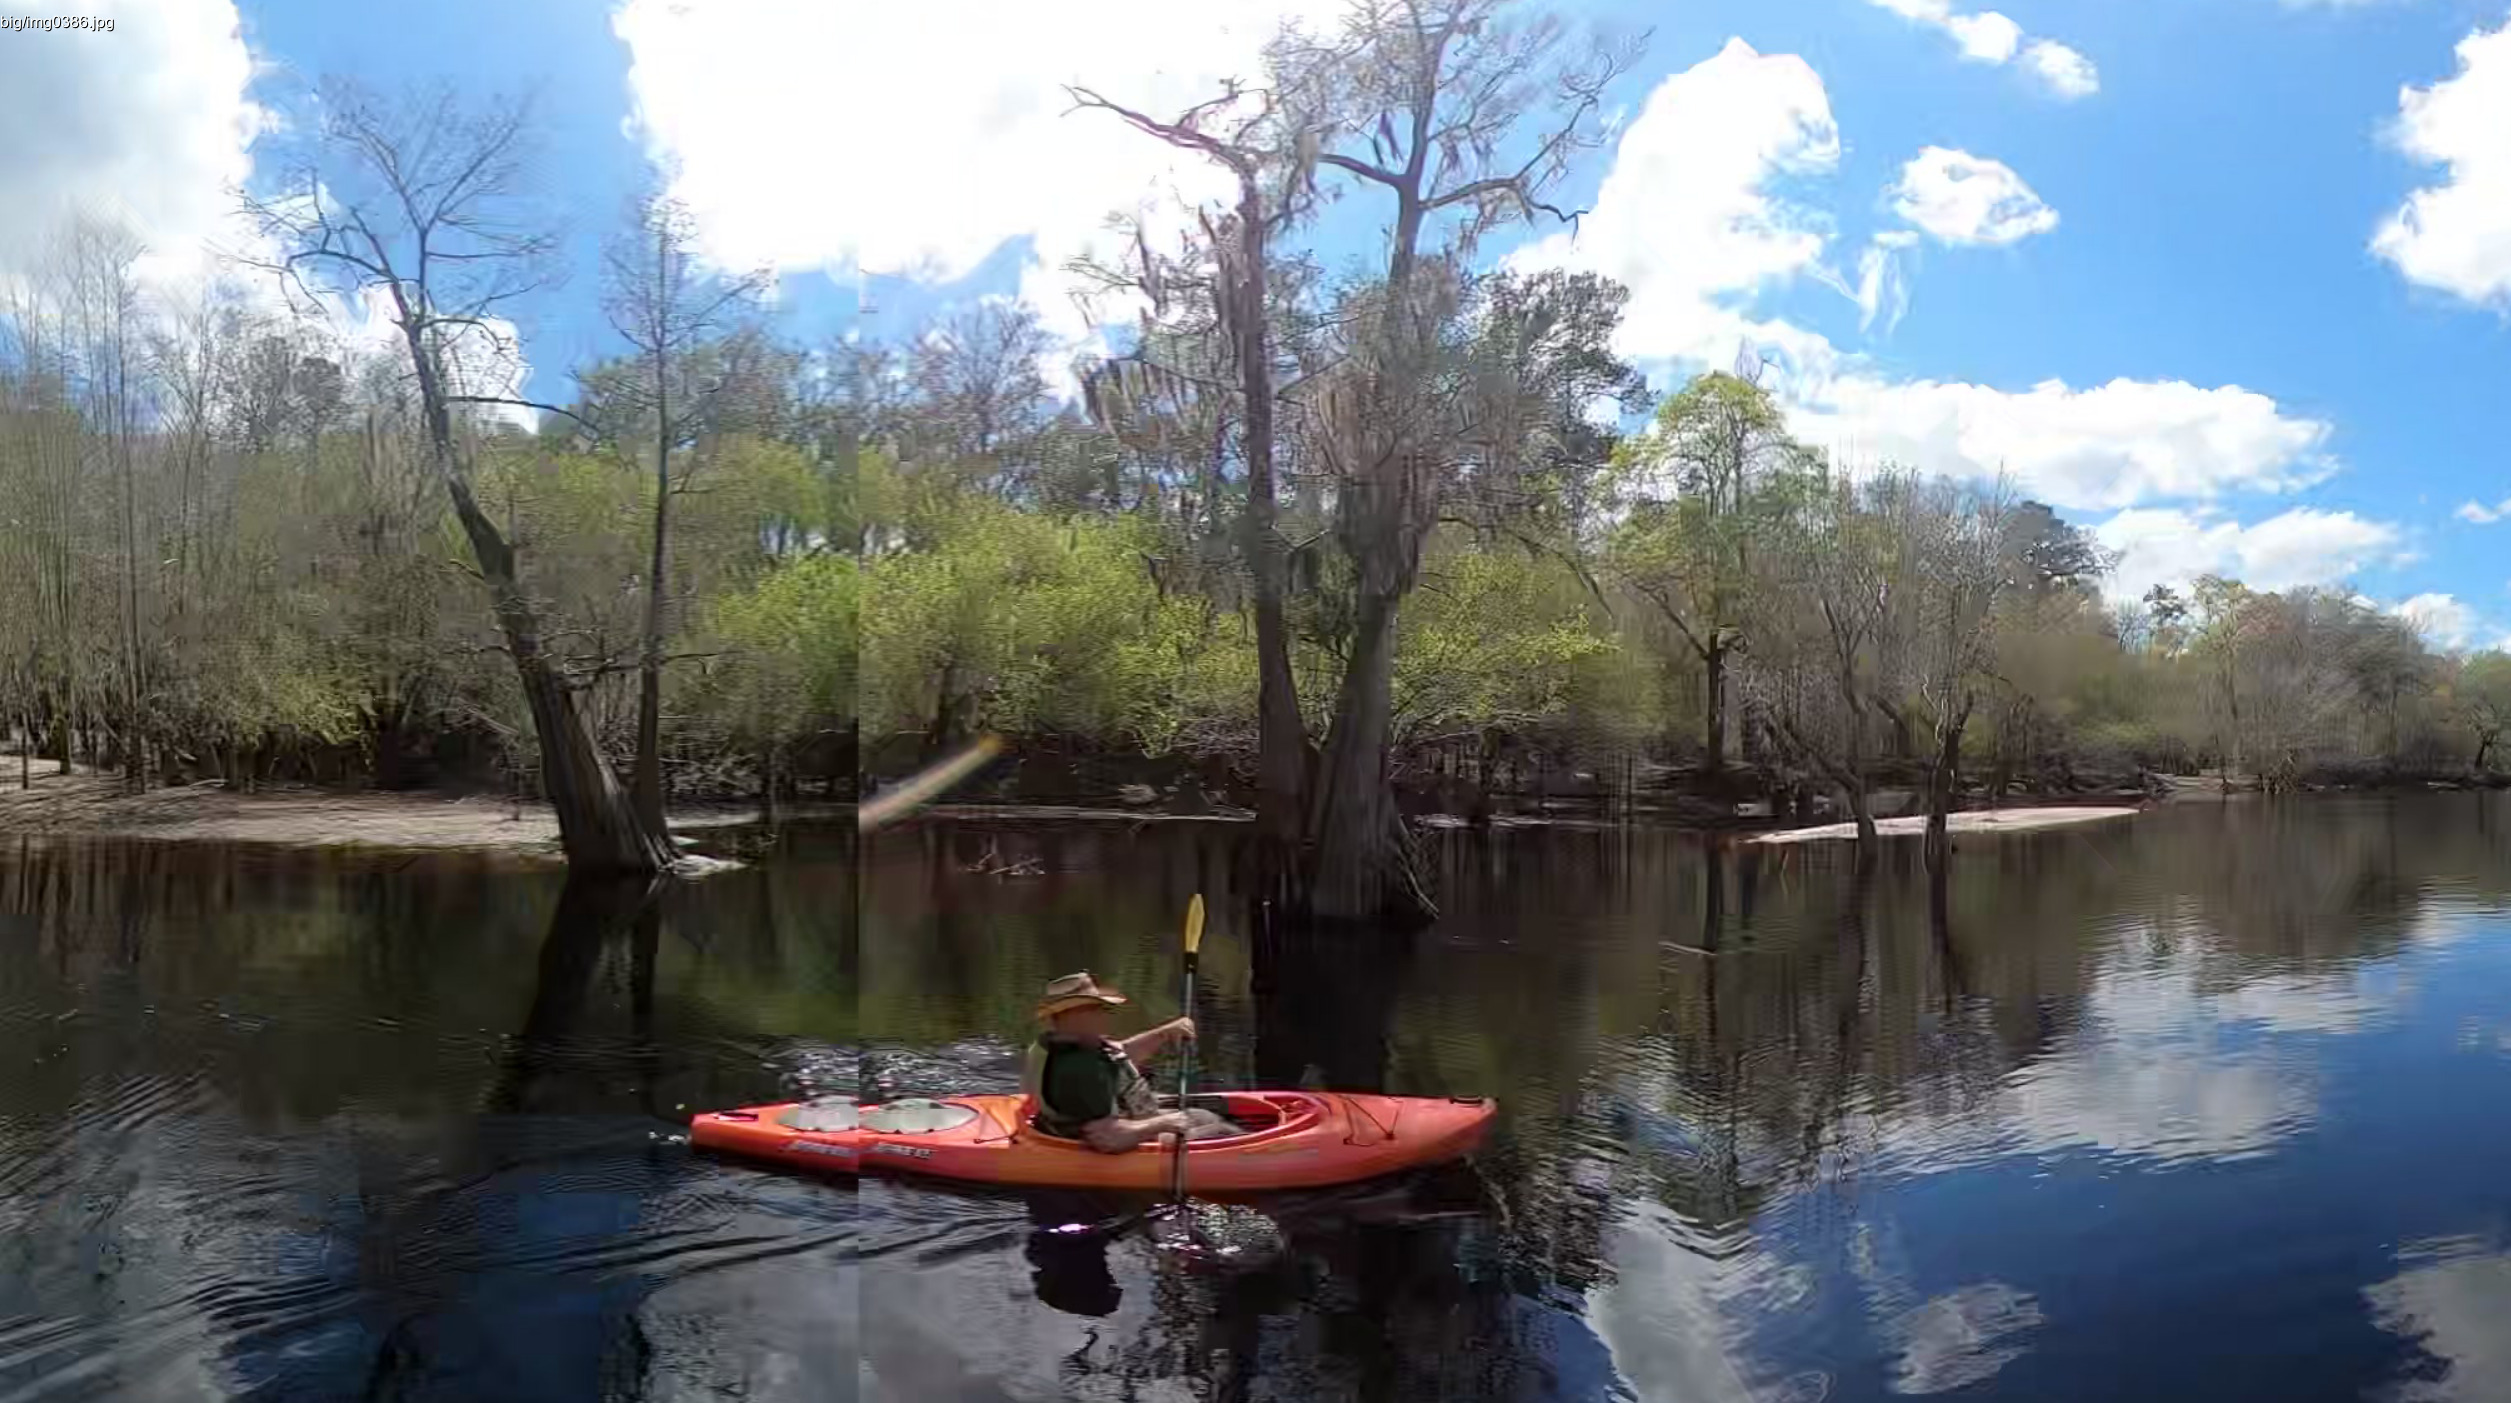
x=2066 y=72
x=2105 y=446
x=2301 y=546
x=1994 y=38
x=149 y=130
x=1704 y=212
x=1687 y=218
x=2456 y=235
x=2443 y=618
x=149 y=127
x=2482 y=515
x=1959 y=198
x=944 y=132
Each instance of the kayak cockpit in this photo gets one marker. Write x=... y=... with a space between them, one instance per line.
x=916 y=1116
x=1263 y=1115
x=827 y=1114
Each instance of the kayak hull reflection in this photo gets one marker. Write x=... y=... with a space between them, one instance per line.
x=1295 y=1139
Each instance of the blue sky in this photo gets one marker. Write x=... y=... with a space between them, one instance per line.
x=2130 y=252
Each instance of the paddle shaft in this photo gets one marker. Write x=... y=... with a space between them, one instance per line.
x=1185 y=1055
x=1185 y=1074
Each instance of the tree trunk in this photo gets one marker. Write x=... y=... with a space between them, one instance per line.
x=1851 y=774
x=2232 y=701
x=1713 y=749
x=134 y=777
x=767 y=785
x=649 y=700
x=649 y=695
x=937 y=730
x=596 y=827
x=1281 y=736
x=1361 y=863
x=1362 y=872
x=1853 y=794
x=1940 y=781
x=1486 y=765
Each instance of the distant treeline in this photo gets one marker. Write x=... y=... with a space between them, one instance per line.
x=224 y=551
x=1311 y=537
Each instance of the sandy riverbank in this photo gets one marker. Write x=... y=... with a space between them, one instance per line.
x=87 y=804
x=1970 y=821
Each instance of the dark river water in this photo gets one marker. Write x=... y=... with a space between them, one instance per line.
x=2213 y=1103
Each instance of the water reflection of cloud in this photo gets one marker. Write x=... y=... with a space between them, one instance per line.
x=2483 y=1035
x=2452 y=1300
x=1670 y=1314
x=2330 y=1004
x=2165 y=1068
x=2158 y=1101
x=1959 y=1338
x=1942 y=1342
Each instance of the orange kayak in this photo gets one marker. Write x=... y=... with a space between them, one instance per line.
x=1294 y=1140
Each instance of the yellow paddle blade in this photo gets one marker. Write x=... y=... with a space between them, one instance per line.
x=1194 y=923
x=898 y=802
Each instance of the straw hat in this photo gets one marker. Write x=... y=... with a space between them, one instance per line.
x=1075 y=991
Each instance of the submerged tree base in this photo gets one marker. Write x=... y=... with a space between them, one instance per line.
x=1968 y=821
x=95 y=804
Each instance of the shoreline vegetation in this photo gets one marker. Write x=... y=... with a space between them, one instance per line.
x=96 y=804
x=1350 y=548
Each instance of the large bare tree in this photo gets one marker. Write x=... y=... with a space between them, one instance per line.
x=668 y=306
x=1954 y=554
x=419 y=202
x=1463 y=114
x=1240 y=132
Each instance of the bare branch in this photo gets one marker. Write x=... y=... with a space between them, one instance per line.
x=1360 y=168
x=596 y=429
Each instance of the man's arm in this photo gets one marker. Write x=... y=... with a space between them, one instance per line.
x=1143 y=1046
x=1115 y=1135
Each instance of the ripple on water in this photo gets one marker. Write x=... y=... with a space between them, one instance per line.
x=312 y=1135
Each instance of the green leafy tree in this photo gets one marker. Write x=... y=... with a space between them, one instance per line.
x=1701 y=516
x=789 y=658
x=2482 y=700
x=1495 y=639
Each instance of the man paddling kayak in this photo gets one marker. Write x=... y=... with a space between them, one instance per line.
x=1088 y=1086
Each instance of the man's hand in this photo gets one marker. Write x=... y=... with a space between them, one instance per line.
x=1115 y=1136
x=1149 y=1042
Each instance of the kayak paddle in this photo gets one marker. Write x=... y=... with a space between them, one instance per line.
x=1185 y=1060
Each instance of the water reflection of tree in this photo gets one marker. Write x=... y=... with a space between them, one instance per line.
x=1324 y=1003
x=463 y=1298
x=1790 y=1032
x=594 y=917
x=1710 y=1032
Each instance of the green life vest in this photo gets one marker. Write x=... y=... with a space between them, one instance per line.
x=1131 y=1099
